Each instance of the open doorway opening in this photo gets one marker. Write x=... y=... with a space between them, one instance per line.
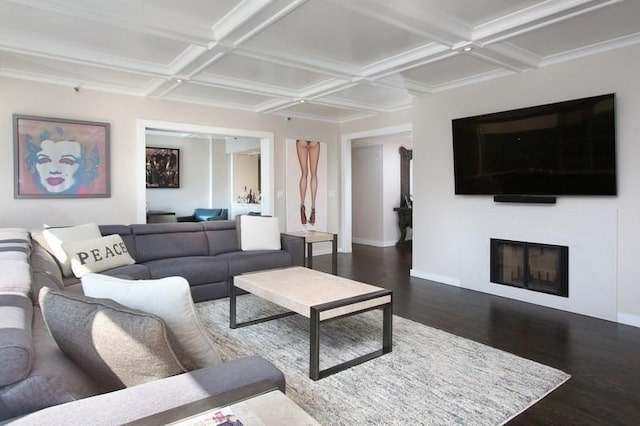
x=346 y=222
x=208 y=136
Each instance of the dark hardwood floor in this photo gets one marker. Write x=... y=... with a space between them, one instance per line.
x=603 y=357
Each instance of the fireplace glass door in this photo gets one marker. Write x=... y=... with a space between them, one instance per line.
x=533 y=266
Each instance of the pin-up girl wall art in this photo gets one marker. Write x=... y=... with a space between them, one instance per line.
x=56 y=158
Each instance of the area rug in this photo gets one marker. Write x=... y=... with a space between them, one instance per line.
x=430 y=377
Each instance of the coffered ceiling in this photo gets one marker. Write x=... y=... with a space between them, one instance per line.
x=331 y=60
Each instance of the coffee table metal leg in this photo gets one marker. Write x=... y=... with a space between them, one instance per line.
x=334 y=255
x=310 y=255
x=233 y=321
x=387 y=327
x=314 y=345
x=314 y=333
x=232 y=304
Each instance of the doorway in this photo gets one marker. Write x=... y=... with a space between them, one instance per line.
x=266 y=158
x=346 y=222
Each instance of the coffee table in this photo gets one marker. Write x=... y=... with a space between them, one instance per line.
x=320 y=297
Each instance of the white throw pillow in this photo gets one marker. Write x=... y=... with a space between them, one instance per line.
x=170 y=299
x=97 y=254
x=56 y=236
x=259 y=233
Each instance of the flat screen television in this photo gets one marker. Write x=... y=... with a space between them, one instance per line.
x=564 y=148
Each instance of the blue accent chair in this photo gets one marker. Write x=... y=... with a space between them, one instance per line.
x=203 y=215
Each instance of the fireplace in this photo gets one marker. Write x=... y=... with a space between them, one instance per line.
x=532 y=266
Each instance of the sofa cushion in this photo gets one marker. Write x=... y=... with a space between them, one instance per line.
x=259 y=233
x=168 y=298
x=15 y=276
x=16 y=343
x=163 y=241
x=115 y=345
x=222 y=236
x=45 y=266
x=195 y=269
x=54 y=238
x=97 y=254
x=15 y=244
x=136 y=271
x=241 y=262
x=124 y=231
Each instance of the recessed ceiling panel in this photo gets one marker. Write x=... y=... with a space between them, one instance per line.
x=72 y=72
x=476 y=12
x=607 y=23
x=375 y=95
x=325 y=30
x=450 y=69
x=57 y=34
x=207 y=94
x=249 y=69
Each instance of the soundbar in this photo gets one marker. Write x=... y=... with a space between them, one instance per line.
x=536 y=199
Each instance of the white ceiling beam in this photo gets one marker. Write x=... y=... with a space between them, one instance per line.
x=534 y=17
x=592 y=49
x=507 y=55
x=167 y=28
x=303 y=62
x=425 y=21
x=239 y=15
x=266 y=22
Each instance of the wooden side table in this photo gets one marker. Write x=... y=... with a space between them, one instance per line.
x=311 y=237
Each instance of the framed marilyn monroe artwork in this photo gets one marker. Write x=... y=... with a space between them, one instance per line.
x=60 y=158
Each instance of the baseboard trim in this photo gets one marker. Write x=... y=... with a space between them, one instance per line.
x=435 y=277
x=629 y=319
x=375 y=243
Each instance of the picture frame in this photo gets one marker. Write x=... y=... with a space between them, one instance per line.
x=162 y=166
x=61 y=158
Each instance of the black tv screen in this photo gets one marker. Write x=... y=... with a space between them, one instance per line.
x=564 y=148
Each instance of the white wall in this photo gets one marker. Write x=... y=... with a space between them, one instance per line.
x=41 y=99
x=221 y=175
x=451 y=239
x=195 y=184
x=367 y=195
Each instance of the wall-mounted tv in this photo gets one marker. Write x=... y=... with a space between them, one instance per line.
x=564 y=148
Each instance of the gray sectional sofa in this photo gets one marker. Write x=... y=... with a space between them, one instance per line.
x=207 y=254
x=39 y=384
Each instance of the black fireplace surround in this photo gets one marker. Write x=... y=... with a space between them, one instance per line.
x=532 y=266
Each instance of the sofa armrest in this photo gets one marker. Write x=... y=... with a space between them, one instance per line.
x=295 y=246
x=244 y=377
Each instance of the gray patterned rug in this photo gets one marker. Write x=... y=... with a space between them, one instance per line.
x=431 y=377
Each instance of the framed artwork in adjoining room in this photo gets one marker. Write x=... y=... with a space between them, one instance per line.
x=60 y=158
x=162 y=167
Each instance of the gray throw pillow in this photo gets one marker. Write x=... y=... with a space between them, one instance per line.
x=116 y=346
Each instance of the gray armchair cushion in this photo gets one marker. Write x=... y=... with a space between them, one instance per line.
x=116 y=346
